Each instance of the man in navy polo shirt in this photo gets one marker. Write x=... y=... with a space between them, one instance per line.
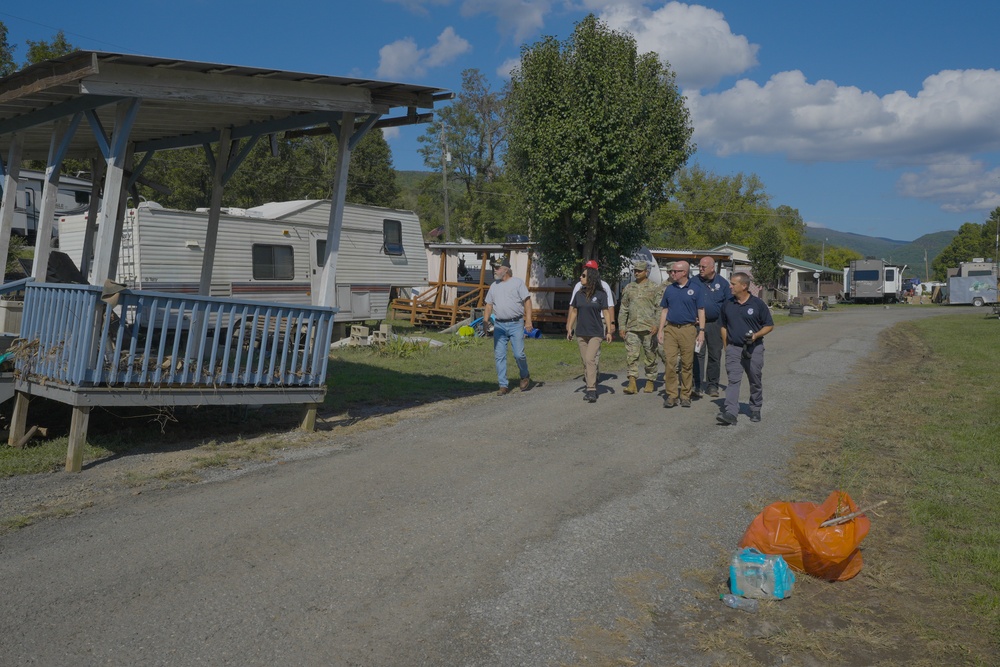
x=717 y=292
x=682 y=320
x=745 y=321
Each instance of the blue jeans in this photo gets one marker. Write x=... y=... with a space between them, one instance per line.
x=514 y=332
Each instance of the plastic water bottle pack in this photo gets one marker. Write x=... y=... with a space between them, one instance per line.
x=761 y=576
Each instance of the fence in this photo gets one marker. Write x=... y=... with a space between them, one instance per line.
x=140 y=339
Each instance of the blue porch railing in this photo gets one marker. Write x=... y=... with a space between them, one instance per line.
x=70 y=336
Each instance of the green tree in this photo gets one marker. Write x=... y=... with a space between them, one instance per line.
x=473 y=130
x=766 y=254
x=972 y=240
x=706 y=210
x=42 y=50
x=7 y=63
x=303 y=169
x=595 y=131
x=835 y=257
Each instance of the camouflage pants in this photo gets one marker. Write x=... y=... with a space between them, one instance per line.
x=641 y=343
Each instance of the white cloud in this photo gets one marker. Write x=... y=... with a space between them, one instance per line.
x=696 y=41
x=952 y=118
x=390 y=133
x=508 y=66
x=961 y=184
x=954 y=113
x=519 y=18
x=404 y=59
x=419 y=6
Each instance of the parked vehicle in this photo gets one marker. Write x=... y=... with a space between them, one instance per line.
x=273 y=252
x=73 y=197
x=873 y=281
x=975 y=290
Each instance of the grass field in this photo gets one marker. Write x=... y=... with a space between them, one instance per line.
x=919 y=427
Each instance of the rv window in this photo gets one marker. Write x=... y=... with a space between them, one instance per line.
x=865 y=275
x=81 y=197
x=273 y=262
x=979 y=272
x=320 y=252
x=890 y=275
x=392 y=237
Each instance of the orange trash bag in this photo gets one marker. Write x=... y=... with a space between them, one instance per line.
x=793 y=531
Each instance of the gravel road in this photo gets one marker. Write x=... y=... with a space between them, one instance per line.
x=533 y=529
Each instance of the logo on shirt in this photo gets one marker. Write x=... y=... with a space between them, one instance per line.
x=749 y=311
x=690 y=292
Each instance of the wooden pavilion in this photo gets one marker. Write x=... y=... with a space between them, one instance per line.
x=96 y=344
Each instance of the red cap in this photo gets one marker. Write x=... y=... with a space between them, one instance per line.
x=591 y=264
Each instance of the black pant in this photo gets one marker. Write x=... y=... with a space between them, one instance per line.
x=707 y=375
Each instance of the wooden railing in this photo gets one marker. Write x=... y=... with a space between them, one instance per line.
x=70 y=336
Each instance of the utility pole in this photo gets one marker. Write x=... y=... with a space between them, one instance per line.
x=927 y=271
x=445 y=159
x=822 y=256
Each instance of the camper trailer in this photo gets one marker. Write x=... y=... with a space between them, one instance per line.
x=973 y=282
x=873 y=281
x=273 y=252
x=72 y=198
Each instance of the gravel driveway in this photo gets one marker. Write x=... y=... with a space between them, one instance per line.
x=534 y=529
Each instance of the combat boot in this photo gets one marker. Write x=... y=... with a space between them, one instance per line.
x=631 y=388
x=649 y=387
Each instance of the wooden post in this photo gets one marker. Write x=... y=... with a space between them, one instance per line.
x=18 y=419
x=214 y=209
x=77 y=438
x=10 y=194
x=309 y=418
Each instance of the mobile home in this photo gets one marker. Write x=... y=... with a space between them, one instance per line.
x=72 y=198
x=873 y=281
x=273 y=252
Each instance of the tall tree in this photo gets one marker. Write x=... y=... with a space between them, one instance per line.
x=42 y=50
x=472 y=130
x=972 y=240
x=705 y=210
x=7 y=64
x=766 y=254
x=595 y=132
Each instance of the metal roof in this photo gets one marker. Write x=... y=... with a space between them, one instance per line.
x=185 y=103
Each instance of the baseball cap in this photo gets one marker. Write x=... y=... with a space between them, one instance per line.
x=505 y=263
x=591 y=264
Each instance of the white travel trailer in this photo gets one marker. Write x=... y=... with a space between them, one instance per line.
x=273 y=252
x=73 y=197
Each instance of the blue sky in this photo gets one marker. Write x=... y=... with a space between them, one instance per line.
x=879 y=117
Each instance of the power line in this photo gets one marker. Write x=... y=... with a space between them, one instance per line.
x=75 y=34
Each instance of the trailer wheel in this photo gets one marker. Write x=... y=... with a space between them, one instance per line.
x=978 y=301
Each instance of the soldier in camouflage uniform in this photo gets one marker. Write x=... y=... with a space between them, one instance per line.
x=639 y=319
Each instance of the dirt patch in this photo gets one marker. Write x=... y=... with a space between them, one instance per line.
x=193 y=456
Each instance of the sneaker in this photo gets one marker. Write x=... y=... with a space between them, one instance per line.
x=713 y=391
x=526 y=384
x=696 y=393
x=685 y=402
x=669 y=402
x=727 y=418
x=755 y=416
x=591 y=396
x=503 y=391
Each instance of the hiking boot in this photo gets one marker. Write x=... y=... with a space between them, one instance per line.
x=727 y=418
x=685 y=402
x=755 y=416
x=503 y=391
x=631 y=388
x=649 y=389
x=669 y=402
x=526 y=384
x=591 y=396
